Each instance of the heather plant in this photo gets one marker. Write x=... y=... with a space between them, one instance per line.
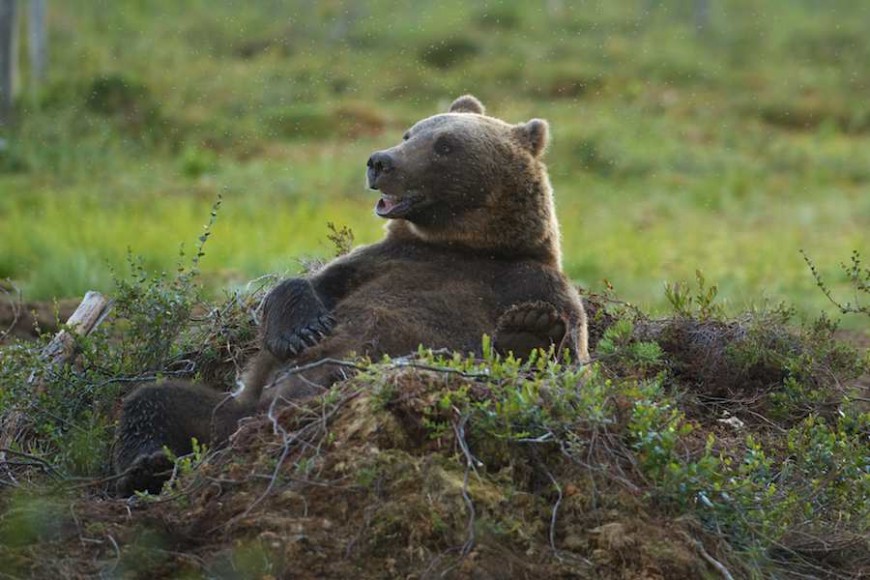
x=858 y=277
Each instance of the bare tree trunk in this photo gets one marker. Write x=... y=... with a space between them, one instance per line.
x=702 y=15
x=37 y=41
x=8 y=58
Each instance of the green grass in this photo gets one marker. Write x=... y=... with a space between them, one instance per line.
x=726 y=151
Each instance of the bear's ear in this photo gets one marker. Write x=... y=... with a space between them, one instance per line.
x=534 y=136
x=467 y=104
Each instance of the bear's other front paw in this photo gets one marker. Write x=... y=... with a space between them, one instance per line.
x=291 y=342
x=148 y=472
x=527 y=326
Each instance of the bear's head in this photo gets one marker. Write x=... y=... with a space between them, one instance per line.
x=469 y=180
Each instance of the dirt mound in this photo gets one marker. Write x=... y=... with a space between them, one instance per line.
x=354 y=486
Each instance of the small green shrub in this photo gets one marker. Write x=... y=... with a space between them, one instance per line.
x=117 y=95
x=198 y=161
x=129 y=104
x=11 y=159
x=858 y=277
x=304 y=121
x=449 y=52
x=502 y=17
x=700 y=301
x=185 y=465
x=620 y=345
x=63 y=413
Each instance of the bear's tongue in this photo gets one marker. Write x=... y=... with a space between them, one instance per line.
x=395 y=206
x=390 y=206
x=386 y=205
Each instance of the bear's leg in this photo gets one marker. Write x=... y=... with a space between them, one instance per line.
x=527 y=326
x=298 y=386
x=166 y=415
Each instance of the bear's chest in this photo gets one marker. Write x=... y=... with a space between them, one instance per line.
x=433 y=278
x=436 y=298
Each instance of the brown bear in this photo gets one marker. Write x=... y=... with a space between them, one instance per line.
x=472 y=247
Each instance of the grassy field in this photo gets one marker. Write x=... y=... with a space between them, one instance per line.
x=726 y=150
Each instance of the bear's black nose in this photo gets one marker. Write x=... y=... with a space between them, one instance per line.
x=378 y=164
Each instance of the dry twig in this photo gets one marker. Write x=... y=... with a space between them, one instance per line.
x=459 y=430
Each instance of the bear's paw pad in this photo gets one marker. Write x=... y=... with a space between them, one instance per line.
x=527 y=326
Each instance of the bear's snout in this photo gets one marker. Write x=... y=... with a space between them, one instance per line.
x=379 y=164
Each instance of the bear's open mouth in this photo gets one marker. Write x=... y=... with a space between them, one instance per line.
x=393 y=206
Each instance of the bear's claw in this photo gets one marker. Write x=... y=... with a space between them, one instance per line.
x=292 y=344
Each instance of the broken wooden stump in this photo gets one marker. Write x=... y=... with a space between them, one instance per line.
x=90 y=312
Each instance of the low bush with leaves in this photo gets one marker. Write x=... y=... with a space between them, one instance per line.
x=157 y=327
x=858 y=277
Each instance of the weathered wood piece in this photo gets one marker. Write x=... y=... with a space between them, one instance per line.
x=59 y=351
x=81 y=323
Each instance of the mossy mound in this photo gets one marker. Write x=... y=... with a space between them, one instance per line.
x=347 y=487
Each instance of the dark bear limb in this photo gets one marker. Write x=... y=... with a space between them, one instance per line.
x=525 y=327
x=294 y=318
x=169 y=415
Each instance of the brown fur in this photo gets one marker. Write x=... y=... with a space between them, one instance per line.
x=472 y=248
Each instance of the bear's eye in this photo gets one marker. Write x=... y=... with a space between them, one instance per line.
x=406 y=136
x=443 y=146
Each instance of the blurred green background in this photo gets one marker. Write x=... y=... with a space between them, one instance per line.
x=726 y=147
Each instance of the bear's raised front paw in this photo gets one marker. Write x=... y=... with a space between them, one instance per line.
x=293 y=342
x=148 y=472
x=527 y=326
